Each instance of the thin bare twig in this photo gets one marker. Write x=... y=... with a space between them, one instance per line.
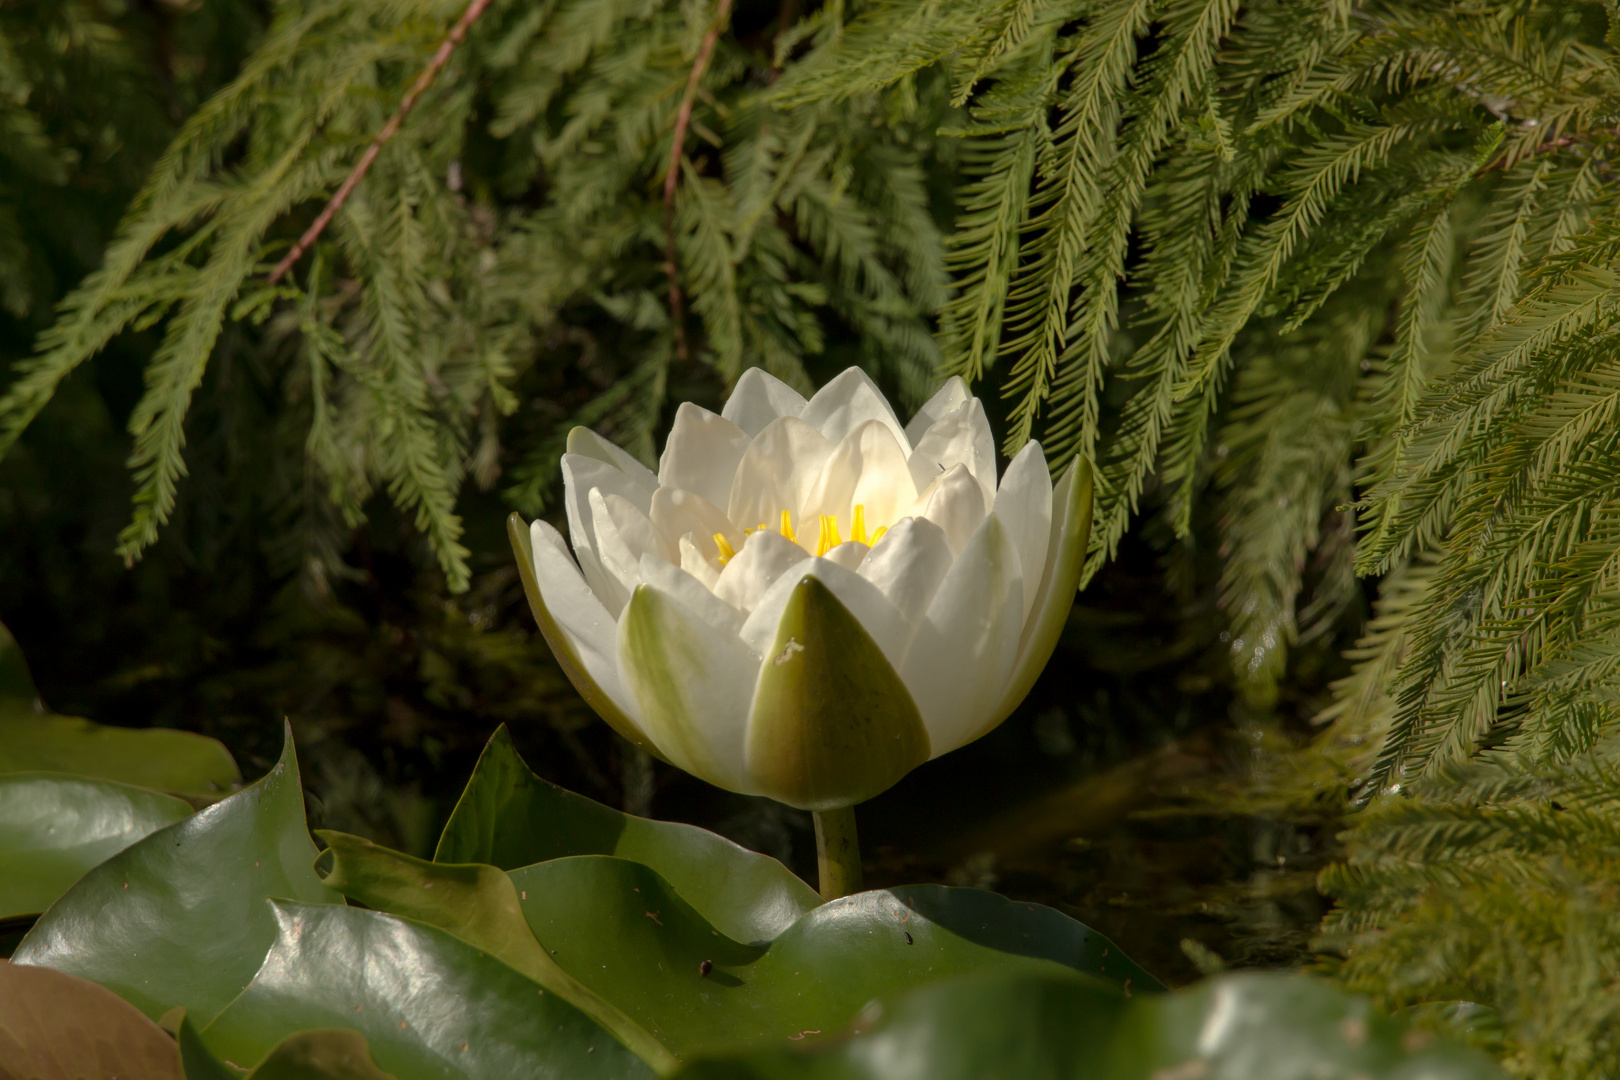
x=672 y=177
x=474 y=9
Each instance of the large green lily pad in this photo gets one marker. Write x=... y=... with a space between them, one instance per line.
x=56 y=1027
x=54 y=829
x=317 y=1054
x=179 y=919
x=162 y=759
x=627 y=935
x=510 y=818
x=429 y=1004
x=1021 y=1026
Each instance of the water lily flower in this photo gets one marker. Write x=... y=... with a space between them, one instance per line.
x=808 y=599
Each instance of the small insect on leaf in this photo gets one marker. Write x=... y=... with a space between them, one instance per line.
x=704 y=968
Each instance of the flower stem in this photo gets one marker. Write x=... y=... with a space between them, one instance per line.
x=838 y=852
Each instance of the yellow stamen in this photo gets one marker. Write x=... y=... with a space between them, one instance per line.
x=857 y=524
x=787 y=526
x=879 y=535
x=829 y=535
x=726 y=553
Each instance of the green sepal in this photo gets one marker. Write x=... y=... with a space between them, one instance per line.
x=832 y=723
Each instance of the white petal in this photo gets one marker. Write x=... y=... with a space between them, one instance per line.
x=908 y=564
x=967 y=643
x=721 y=617
x=694 y=686
x=675 y=513
x=765 y=556
x=958 y=438
x=758 y=398
x=580 y=475
x=867 y=469
x=850 y=554
x=1024 y=505
x=700 y=566
x=954 y=502
x=878 y=617
x=702 y=453
x=623 y=535
x=776 y=474
x=586 y=624
x=947 y=399
x=846 y=403
x=587 y=443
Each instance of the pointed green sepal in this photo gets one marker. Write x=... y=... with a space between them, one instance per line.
x=832 y=723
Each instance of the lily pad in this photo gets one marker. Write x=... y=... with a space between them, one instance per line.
x=163 y=759
x=625 y=933
x=321 y=1054
x=56 y=1027
x=54 y=829
x=429 y=1004
x=1016 y=1026
x=179 y=919
x=510 y=818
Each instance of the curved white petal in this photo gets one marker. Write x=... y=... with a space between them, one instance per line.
x=693 y=686
x=961 y=437
x=868 y=468
x=675 y=513
x=967 y=644
x=580 y=475
x=765 y=556
x=776 y=473
x=908 y=564
x=954 y=502
x=585 y=623
x=879 y=618
x=1024 y=505
x=850 y=554
x=846 y=403
x=946 y=399
x=721 y=617
x=700 y=566
x=702 y=453
x=587 y=443
x=623 y=535
x=758 y=398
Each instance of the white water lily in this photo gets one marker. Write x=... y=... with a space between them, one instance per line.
x=808 y=599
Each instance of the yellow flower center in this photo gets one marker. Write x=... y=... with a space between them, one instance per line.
x=825 y=542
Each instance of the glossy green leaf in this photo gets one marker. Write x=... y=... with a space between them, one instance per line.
x=832 y=723
x=1008 y=1026
x=54 y=828
x=179 y=919
x=478 y=904
x=429 y=1004
x=162 y=759
x=56 y=1027
x=318 y=1054
x=622 y=931
x=510 y=818
x=15 y=681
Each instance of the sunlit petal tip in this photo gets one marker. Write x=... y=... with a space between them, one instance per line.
x=587 y=443
x=960 y=437
x=868 y=468
x=947 y=399
x=954 y=501
x=702 y=453
x=847 y=402
x=777 y=472
x=765 y=556
x=758 y=398
x=908 y=564
x=1024 y=505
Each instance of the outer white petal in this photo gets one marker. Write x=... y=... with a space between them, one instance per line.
x=765 y=556
x=966 y=646
x=908 y=564
x=850 y=554
x=889 y=631
x=702 y=453
x=586 y=625
x=587 y=443
x=846 y=403
x=776 y=473
x=867 y=468
x=954 y=502
x=946 y=399
x=623 y=535
x=758 y=398
x=580 y=475
x=700 y=566
x=675 y=513
x=694 y=687
x=721 y=617
x=961 y=437
x=1024 y=505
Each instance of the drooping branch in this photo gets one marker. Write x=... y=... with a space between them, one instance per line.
x=458 y=32
x=672 y=176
